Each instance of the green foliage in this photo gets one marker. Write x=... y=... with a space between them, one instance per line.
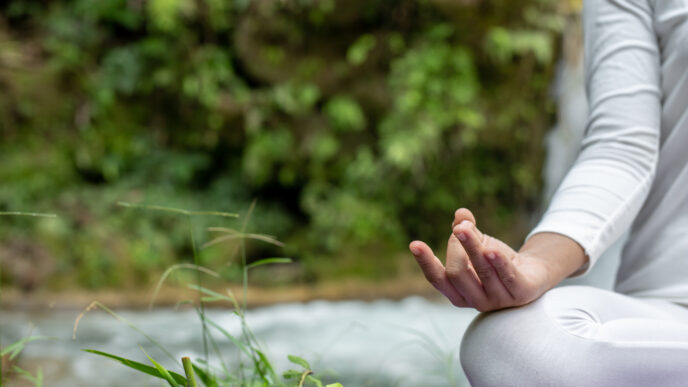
x=37 y=380
x=359 y=50
x=261 y=372
x=503 y=45
x=13 y=350
x=345 y=114
x=358 y=125
x=436 y=87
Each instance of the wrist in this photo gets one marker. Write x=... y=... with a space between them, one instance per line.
x=561 y=256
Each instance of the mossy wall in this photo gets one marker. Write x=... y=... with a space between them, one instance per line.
x=357 y=125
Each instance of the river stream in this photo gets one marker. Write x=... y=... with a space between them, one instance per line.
x=413 y=342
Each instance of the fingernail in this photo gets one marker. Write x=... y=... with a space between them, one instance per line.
x=466 y=223
x=490 y=256
x=461 y=236
x=414 y=251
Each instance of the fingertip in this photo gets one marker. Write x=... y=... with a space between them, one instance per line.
x=414 y=247
x=458 y=213
x=461 y=230
x=418 y=247
x=464 y=213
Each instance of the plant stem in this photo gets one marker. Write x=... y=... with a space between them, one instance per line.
x=18 y=213
x=303 y=377
x=188 y=370
x=204 y=326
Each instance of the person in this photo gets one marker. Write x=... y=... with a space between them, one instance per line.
x=631 y=174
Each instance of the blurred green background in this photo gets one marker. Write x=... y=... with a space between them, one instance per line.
x=356 y=125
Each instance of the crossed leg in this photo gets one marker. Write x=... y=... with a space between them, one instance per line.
x=579 y=336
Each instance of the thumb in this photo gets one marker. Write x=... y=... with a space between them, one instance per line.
x=462 y=214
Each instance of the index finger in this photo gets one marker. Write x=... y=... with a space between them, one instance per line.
x=435 y=273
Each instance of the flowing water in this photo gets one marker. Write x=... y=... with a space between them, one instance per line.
x=413 y=342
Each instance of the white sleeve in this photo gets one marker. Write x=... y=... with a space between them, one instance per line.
x=607 y=185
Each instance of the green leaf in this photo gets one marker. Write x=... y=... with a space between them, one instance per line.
x=165 y=373
x=334 y=385
x=206 y=378
x=345 y=114
x=39 y=377
x=16 y=348
x=299 y=361
x=144 y=368
x=291 y=374
x=268 y=261
x=314 y=380
x=36 y=380
x=358 y=52
x=266 y=370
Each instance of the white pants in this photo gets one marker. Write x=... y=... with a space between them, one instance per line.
x=579 y=336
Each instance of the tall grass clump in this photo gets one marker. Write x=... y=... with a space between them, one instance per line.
x=12 y=351
x=253 y=368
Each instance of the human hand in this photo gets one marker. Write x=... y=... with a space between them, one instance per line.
x=482 y=272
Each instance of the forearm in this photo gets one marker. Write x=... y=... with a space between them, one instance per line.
x=561 y=255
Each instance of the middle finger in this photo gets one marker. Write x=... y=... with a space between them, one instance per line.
x=471 y=240
x=461 y=274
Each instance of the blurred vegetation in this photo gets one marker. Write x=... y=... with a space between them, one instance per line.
x=357 y=125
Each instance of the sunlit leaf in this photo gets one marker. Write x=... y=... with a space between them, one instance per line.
x=144 y=368
x=299 y=361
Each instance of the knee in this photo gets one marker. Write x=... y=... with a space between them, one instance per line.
x=515 y=346
x=494 y=345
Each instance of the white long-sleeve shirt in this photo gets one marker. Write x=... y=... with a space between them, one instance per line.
x=632 y=170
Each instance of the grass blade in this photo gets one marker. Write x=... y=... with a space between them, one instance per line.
x=208 y=380
x=215 y=296
x=231 y=338
x=36 y=380
x=240 y=235
x=15 y=348
x=163 y=277
x=265 y=368
x=143 y=368
x=95 y=304
x=39 y=378
x=216 y=347
x=165 y=373
x=179 y=211
x=260 y=362
x=34 y=214
x=267 y=261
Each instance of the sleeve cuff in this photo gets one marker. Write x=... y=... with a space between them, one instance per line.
x=580 y=230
